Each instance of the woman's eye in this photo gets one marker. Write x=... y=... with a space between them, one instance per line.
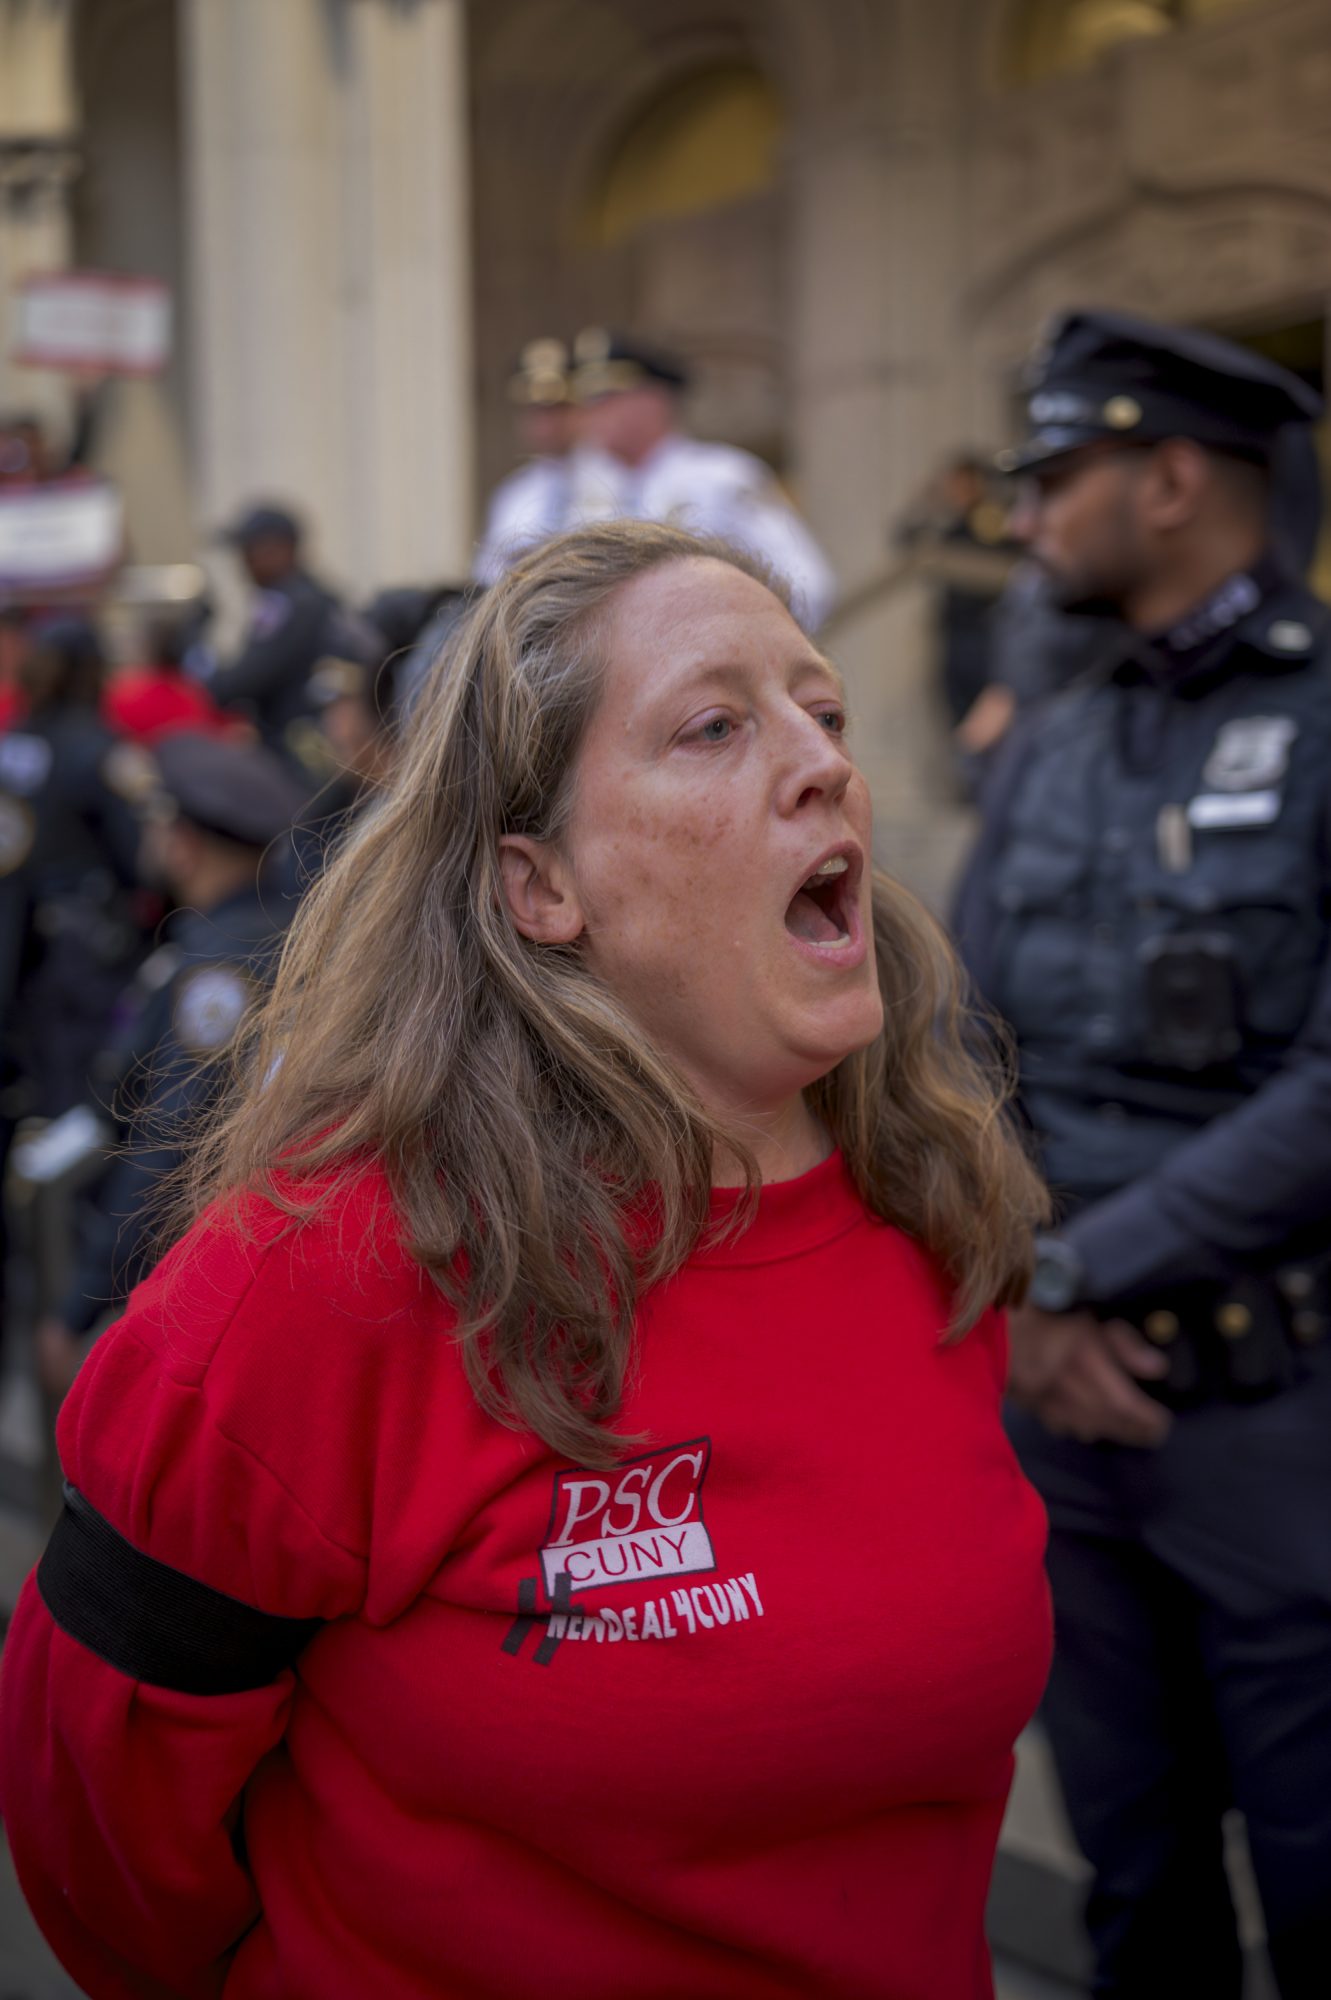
x=833 y=720
x=716 y=729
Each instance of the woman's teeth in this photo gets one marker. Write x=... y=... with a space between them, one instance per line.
x=814 y=916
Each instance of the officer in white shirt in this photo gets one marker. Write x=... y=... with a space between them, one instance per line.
x=534 y=502
x=632 y=460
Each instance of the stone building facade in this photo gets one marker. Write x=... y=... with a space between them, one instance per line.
x=852 y=214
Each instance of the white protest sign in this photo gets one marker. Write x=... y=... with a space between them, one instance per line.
x=93 y=320
x=57 y=536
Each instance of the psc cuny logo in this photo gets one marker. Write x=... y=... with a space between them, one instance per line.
x=638 y=1522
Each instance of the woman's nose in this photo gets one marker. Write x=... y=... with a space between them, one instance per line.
x=819 y=766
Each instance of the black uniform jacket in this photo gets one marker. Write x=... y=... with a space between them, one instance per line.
x=1149 y=908
x=291 y=627
x=69 y=839
x=177 y=1023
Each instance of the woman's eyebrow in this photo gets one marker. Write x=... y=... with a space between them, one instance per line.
x=729 y=672
x=819 y=663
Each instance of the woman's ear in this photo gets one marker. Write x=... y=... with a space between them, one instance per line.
x=539 y=890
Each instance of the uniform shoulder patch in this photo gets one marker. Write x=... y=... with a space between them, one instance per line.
x=17 y=831
x=210 y=1004
x=272 y=609
x=25 y=762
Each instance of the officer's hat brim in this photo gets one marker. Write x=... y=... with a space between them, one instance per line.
x=1044 y=448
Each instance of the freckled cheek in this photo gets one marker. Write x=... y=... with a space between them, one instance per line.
x=635 y=890
x=666 y=909
x=665 y=855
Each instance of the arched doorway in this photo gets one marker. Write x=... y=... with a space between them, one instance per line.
x=686 y=202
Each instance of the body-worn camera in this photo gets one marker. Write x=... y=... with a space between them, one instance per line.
x=1191 y=987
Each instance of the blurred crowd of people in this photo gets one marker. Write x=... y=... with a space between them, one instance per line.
x=159 y=817
x=164 y=800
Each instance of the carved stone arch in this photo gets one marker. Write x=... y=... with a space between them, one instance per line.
x=988 y=47
x=631 y=93
x=820 y=58
x=560 y=80
x=1170 y=221
x=830 y=61
x=1011 y=20
x=555 y=87
x=1232 y=256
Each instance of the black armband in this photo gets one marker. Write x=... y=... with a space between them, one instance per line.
x=152 y=1622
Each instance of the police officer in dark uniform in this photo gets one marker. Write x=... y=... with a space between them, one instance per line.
x=68 y=841
x=69 y=935
x=362 y=706
x=1149 y=908
x=294 y=621
x=217 y=806
x=956 y=532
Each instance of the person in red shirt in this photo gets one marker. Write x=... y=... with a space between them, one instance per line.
x=14 y=644
x=547 y=1522
x=157 y=698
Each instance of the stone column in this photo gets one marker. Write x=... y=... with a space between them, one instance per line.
x=330 y=295
x=408 y=375
x=39 y=160
x=875 y=257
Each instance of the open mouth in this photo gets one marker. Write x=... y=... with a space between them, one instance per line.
x=822 y=910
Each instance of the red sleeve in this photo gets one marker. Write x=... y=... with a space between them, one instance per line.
x=204 y=1431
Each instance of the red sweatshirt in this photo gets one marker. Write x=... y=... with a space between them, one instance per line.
x=734 y=1719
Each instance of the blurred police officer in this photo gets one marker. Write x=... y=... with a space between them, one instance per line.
x=294 y=619
x=361 y=707
x=534 y=502
x=68 y=835
x=1149 y=908
x=633 y=459
x=216 y=807
x=68 y=842
x=413 y=625
x=956 y=532
x=1037 y=647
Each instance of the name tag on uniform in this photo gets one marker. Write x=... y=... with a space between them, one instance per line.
x=1215 y=810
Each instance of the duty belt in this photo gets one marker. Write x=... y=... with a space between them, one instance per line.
x=1237 y=1343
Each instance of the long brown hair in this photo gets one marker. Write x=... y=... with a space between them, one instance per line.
x=517 y=1110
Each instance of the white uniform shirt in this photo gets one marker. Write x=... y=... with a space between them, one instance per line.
x=528 y=507
x=708 y=489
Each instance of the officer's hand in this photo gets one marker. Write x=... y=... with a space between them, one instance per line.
x=1076 y=1374
x=987 y=720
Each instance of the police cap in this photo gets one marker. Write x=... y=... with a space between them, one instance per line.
x=541 y=376
x=605 y=363
x=258 y=522
x=1100 y=375
x=238 y=790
